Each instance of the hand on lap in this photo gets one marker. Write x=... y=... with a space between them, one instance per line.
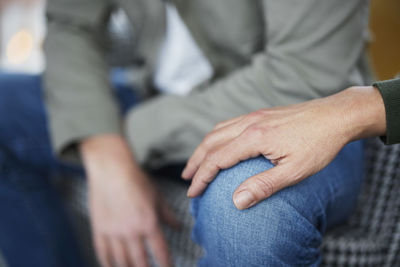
x=299 y=140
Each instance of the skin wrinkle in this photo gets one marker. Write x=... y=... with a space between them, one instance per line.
x=294 y=156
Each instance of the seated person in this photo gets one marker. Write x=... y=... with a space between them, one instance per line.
x=261 y=54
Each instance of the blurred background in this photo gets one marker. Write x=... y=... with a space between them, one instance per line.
x=22 y=30
x=385 y=38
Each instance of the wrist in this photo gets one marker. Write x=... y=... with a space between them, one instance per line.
x=110 y=155
x=362 y=112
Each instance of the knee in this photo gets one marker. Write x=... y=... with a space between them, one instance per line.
x=274 y=232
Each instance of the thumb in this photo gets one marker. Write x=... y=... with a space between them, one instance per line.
x=262 y=186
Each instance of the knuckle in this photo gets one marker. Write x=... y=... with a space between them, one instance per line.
x=121 y=233
x=211 y=156
x=255 y=129
x=129 y=233
x=208 y=140
x=137 y=226
x=265 y=111
x=255 y=115
x=104 y=231
x=151 y=223
x=252 y=129
x=130 y=230
x=218 y=125
x=264 y=187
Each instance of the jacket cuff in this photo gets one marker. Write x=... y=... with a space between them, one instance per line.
x=69 y=131
x=390 y=91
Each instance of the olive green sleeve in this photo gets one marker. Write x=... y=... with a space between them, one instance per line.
x=78 y=95
x=310 y=50
x=390 y=91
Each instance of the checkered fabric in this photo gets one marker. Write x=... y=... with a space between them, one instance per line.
x=372 y=236
x=184 y=251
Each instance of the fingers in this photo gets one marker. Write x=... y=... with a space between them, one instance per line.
x=103 y=251
x=228 y=122
x=212 y=140
x=222 y=133
x=194 y=161
x=263 y=185
x=120 y=254
x=225 y=156
x=159 y=247
x=132 y=252
x=137 y=252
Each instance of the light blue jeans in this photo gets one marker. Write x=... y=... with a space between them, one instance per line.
x=283 y=230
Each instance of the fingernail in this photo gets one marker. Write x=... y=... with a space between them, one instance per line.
x=244 y=200
x=184 y=173
x=189 y=192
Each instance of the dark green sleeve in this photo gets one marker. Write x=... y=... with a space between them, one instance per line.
x=390 y=91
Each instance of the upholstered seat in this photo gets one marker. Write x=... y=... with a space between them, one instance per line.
x=370 y=238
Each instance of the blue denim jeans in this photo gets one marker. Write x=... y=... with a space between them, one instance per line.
x=34 y=227
x=283 y=230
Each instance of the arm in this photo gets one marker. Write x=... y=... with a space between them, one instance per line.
x=84 y=117
x=125 y=207
x=312 y=49
x=78 y=93
x=302 y=149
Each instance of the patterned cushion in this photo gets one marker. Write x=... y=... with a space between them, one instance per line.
x=372 y=236
x=184 y=251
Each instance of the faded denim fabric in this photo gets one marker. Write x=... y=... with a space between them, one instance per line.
x=283 y=230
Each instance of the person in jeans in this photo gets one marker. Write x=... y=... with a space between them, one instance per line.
x=249 y=55
x=265 y=175
x=34 y=227
x=35 y=220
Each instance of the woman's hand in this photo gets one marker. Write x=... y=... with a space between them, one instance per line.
x=299 y=140
x=125 y=207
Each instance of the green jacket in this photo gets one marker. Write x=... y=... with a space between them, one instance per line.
x=390 y=91
x=264 y=52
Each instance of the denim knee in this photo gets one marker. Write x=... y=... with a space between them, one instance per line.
x=276 y=232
